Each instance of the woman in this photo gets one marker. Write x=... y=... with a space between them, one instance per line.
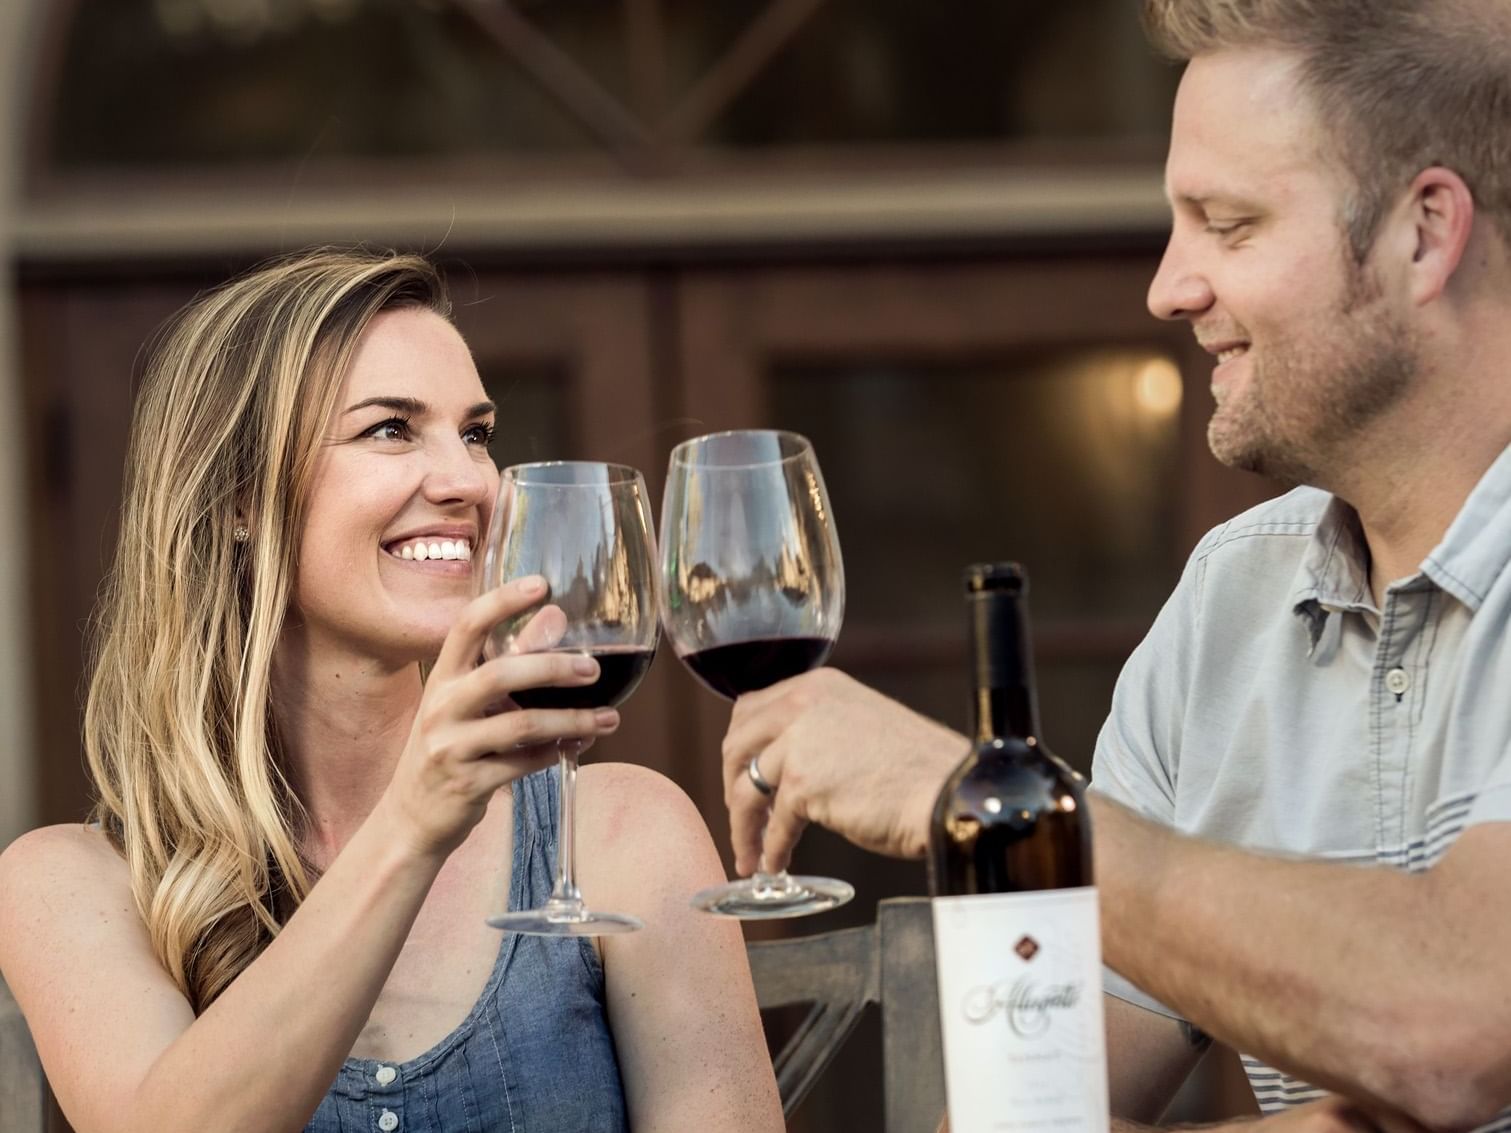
x=276 y=920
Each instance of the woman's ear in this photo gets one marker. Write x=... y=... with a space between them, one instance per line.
x=1440 y=210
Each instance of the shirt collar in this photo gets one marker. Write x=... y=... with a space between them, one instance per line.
x=1477 y=547
x=1334 y=571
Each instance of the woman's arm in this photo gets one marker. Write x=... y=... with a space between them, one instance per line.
x=120 y=1043
x=681 y=1003
x=121 y=1046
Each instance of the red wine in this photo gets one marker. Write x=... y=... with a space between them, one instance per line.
x=619 y=671
x=1016 y=930
x=746 y=666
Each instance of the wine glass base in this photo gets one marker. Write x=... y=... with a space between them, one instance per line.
x=585 y=922
x=752 y=900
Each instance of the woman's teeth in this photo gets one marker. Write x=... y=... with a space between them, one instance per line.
x=421 y=549
x=1229 y=355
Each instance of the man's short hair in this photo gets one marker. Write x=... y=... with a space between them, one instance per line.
x=1401 y=84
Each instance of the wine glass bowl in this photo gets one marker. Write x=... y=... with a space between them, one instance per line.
x=753 y=592
x=585 y=528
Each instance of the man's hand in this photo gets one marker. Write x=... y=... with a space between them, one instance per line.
x=1329 y=1115
x=839 y=754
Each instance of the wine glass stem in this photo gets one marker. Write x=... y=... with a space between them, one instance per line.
x=778 y=882
x=565 y=891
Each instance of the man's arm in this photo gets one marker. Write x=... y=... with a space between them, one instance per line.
x=1389 y=987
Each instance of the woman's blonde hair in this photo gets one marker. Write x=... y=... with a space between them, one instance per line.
x=179 y=730
x=1401 y=84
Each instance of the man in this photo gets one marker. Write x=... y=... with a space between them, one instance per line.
x=1302 y=796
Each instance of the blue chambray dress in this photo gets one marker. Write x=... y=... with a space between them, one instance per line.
x=534 y=1055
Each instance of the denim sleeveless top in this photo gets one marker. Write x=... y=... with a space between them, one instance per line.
x=535 y=1053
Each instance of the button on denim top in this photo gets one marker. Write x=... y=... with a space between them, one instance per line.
x=535 y=1053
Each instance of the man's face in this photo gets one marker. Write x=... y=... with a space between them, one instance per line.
x=1309 y=350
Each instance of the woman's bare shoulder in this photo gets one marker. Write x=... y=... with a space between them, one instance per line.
x=635 y=818
x=70 y=848
x=50 y=871
x=617 y=792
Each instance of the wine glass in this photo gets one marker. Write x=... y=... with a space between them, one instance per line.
x=585 y=527
x=753 y=592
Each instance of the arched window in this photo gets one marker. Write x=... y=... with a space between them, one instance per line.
x=647 y=86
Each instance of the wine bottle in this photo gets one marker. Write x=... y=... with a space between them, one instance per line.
x=1016 y=932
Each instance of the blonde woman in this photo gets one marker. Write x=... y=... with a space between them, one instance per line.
x=276 y=920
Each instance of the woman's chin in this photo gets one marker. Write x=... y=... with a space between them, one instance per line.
x=420 y=644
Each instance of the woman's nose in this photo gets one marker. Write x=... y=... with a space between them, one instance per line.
x=459 y=475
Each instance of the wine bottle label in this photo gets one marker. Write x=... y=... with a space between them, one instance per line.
x=1020 y=1003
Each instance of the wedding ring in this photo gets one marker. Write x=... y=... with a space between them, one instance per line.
x=759 y=780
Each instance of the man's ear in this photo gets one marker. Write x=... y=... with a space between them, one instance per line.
x=1440 y=210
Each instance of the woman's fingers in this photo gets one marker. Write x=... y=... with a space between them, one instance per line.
x=464 y=642
x=546 y=627
x=509 y=732
x=498 y=770
x=478 y=691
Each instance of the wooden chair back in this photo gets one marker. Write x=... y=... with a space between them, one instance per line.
x=888 y=965
x=23 y=1089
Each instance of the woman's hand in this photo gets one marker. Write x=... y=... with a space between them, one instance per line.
x=461 y=748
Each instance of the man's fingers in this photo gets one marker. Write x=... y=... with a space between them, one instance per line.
x=751 y=733
x=782 y=832
x=747 y=820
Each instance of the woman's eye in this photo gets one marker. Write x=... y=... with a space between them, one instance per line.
x=479 y=434
x=394 y=429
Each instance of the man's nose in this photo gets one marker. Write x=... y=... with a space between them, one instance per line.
x=1179 y=290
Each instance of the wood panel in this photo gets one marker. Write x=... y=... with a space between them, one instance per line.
x=80 y=351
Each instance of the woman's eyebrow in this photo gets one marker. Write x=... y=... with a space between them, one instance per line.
x=414 y=407
x=410 y=405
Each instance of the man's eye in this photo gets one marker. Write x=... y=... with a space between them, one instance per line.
x=1223 y=229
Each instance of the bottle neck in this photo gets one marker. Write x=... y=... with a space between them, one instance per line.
x=1004 y=705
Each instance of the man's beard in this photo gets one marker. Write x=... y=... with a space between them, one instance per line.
x=1307 y=403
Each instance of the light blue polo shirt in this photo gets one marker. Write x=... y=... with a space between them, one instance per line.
x=1274 y=707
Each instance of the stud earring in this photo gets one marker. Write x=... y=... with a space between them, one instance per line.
x=241 y=534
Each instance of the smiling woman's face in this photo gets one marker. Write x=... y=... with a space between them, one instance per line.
x=400 y=496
